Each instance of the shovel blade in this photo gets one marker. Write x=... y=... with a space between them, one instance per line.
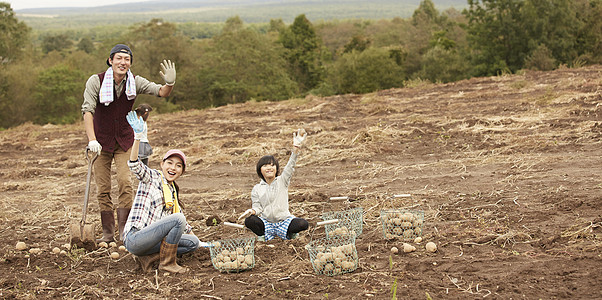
x=82 y=236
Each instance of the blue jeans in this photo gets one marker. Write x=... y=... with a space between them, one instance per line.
x=171 y=228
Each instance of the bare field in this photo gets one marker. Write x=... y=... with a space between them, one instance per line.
x=506 y=170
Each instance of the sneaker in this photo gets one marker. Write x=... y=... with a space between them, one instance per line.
x=261 y=238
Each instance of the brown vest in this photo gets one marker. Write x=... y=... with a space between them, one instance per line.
x=110 y=125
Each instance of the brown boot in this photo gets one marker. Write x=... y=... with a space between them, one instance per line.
x=107 y=220
x=147 y=261
x=122 y=218
x=167 y=258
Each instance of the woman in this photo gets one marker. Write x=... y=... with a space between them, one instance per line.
x=156 y=228
x=269 y=216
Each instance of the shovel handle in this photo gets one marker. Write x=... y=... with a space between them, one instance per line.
x=402 y=196
x=339 y=198
x=234 y=225
x=88 y=179
x=327 y=222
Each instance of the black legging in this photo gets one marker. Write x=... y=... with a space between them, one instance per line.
x=256 y=225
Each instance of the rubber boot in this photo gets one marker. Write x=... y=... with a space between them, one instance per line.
x=167 y=258
x=147 y=261
x=107 y=219
x=122 y=218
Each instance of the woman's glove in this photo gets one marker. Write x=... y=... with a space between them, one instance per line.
x=299 y=137
x=136 y=122
x=247 y=213
x=168 y=72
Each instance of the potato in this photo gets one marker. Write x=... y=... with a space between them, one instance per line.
x=329 y=267
x=35 y=250
x=406 y=224
x=397 y=221
x=408 y=233
x=418 y=239
x=328 y=257
x=240 y=250
x=56 y=250
x=243 y=266
x=63 y=252
x=407 y=248
x=394 y=250
x=240 y=259
x=113 y=244
x=122 y=248
x=114 y=255
x=398 y=231
x=103 y=245
x=217 y=245
x=21 y=246
x=407 y=217
x=249 y=259
x=67 y=246
x=431 y=247
x=418 y=231
x=418 y=222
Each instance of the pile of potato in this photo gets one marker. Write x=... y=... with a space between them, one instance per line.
x=341 y=231
x=232 y=259
x=335 y=260
x=407 y=225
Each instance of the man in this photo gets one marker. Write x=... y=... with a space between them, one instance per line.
x=108 y=98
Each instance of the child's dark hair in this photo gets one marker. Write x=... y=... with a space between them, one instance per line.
x=267 y=160
x=142 y=110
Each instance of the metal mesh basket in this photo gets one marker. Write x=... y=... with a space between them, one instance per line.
x=233 y=255
x=403 y=223
x=333 y=256
x=350 y=221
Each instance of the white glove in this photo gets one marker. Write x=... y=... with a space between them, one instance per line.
x=247 y=213
x=299 y=137
x=168 y=72
x=95 y=146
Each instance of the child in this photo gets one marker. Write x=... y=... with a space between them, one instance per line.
x=269 y=216
x=143 y=110
x=156 y=228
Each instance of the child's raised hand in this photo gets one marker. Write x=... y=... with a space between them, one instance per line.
x=299 y=137
x=136 y=122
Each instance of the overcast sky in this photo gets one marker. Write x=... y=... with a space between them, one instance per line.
x=21 y=4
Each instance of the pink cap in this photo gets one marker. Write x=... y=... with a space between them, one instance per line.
x=177 y=153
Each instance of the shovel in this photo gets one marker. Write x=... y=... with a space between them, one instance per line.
x=82 y=234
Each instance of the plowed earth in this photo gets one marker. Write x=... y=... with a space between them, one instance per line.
x=506 y=170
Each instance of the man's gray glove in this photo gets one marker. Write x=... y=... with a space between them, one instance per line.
x=95 y=146
x=299 y=137
x=136 y=122
x=168 y=72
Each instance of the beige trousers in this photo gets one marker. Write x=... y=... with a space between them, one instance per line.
x=102 y=175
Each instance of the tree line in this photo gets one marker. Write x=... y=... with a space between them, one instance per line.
x=42 y=78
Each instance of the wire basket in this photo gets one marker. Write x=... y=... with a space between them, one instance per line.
x=350 y=221
x=233 y=255
x=403 y=223
x=333 y=255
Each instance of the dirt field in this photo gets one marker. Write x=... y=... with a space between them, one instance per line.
x=506 y=170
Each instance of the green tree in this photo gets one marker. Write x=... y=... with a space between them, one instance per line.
x=86 y=45
x=58 y=95
x=14 y=35
x=496 y=35
x=243 y=64
x=56 y=42
x=366 y=71
x=303 y=52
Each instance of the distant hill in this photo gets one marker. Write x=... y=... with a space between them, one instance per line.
x=250 y=11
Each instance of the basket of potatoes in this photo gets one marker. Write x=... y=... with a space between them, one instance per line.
x=233 y=255
x=350 y=222
x=403 y=223
x=334 y=255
